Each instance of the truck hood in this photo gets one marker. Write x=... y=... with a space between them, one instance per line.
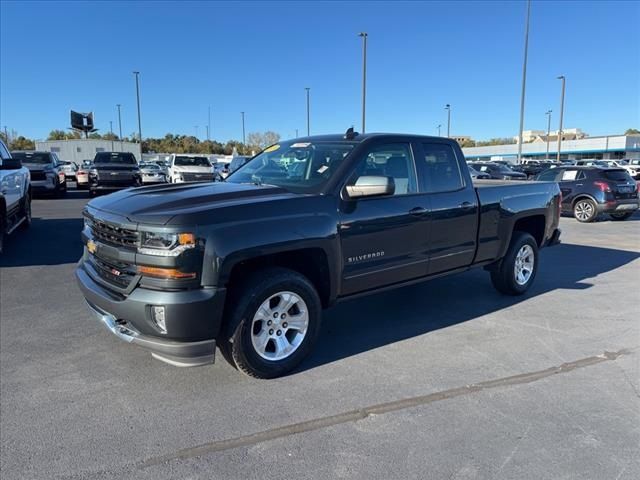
x=158 y=204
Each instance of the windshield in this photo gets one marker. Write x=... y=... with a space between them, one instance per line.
x=28 y=157
x=120 y=158
x=297 y=166
x=192 y=162
x=150 y=166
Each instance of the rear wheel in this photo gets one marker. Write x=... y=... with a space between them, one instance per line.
x=26 y=211
x=620 y=216
x=3 y=227
x=585 y=210
x=517 y=270
x=274 y=323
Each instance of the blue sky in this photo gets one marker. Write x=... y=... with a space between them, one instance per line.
x=258 y=57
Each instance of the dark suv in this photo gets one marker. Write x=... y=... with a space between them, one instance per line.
x=113 y=171
x=589 y=191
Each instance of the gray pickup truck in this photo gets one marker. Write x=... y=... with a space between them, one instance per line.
x=248 y=264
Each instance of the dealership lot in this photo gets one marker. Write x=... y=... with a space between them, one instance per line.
x=447 y=379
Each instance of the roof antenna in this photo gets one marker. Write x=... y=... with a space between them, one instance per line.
x=350 y=134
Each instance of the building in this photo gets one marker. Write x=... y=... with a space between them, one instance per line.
x=529 y=136
x=609 y=147
x=77 y=150
x=461 y=138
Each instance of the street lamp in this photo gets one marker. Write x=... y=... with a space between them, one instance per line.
x=548 y=114
x=196 y=127
x=524 y=82
x=308 y=118
x=208 y=123
x=439 y=125
x=447 y=107
x=243 y=138
x=119 y=125
x=111 y=129
x=561 y=77
x=137 y=74
x=364 y=36
x=296 y=133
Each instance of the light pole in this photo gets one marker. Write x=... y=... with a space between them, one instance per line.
x=439 y=125
x=524 y=82
x=364 y=36
x=208 y=123
x=6 y=136
x=548 y=114
x=561 y=77
x=308 y=118
x=243 y=139
x=137 y=74
x=119 y=125
x=447 y=107
x=296 y=133
x=111 y=129
x=196 y=127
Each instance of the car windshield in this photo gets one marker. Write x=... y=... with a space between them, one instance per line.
x=112 y=157
x=182 y=161
x=617 y=175
x=150 y=166
x=29 y=157
x=296 y=166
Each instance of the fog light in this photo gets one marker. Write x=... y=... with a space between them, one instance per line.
x=157 y=315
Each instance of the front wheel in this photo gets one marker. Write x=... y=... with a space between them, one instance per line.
x=620 y=216
x=517 y=270
x=274 y=324
x=585 y=210
x=26 y=212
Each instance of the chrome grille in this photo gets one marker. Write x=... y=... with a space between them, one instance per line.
x=113 y=235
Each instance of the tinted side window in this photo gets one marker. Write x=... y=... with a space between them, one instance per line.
x=393 y=160
x=441 y=168
x=548 y=176
x=4 y=153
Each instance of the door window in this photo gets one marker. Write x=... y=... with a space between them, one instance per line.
x=569 y=175
x=441 y=168
x=548 y=176
x=392 y=160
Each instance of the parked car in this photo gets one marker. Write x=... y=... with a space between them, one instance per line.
x=82 y=177
x=589 y=191
x=15 y=195
x=476 y=175
x=591 y=163
x=113 y=171
x=152 y=173
x=190 y=168
x=69 y=169
x=248 y=264
x=498 y=171
x=46 y=172
x=221 y=170
x=633 y=170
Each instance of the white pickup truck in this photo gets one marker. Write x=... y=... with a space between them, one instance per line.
x=189 y=168
x=15 y=194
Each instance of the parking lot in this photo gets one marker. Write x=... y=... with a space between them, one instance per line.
x=447 y=379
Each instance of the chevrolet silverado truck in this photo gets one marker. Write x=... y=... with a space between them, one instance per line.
x=249 y=264
x=113 y=171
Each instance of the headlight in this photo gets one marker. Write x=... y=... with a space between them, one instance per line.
x=166 y=244
x=88 y=223
x=93 y=172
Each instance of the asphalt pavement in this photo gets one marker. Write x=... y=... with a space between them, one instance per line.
x=447 y=379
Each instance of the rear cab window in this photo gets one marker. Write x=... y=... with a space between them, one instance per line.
x=440 y=168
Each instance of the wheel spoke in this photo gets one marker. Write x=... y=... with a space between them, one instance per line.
x=282 y=345
x=298 y=322
x=261 y=340
x=287 y=300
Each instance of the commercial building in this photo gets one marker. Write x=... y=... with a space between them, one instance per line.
x=609 y=147
x=529 y=136
x=77 y=150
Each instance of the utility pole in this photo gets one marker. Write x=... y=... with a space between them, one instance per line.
x=137 y=74
x=308 y=118
x=207 y=133
x=209 y=123
x=243 y=138
x=111 y=130
x=364 y=36
x=524 y=82
x=119 y=125
x=439 y=125
x=447 y=107
x=561 y=77
x=548 y=114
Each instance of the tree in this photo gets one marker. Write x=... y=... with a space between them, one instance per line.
x=270 y=138
x=110 y=136
x=632 y=131
x=57 y=135
x=495 y=141
x=261 y=140
x=22 y=143
x=467 y=143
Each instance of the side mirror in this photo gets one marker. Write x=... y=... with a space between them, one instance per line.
x=371 y=186
x=10 y=164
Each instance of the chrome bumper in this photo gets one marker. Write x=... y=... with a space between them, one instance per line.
x=178 y=354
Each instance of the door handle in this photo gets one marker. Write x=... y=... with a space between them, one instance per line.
x=418 y=211
x=466 y=205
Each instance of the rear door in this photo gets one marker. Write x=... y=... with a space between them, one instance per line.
x=384 y=239
x=454 y=206
x=571 y=182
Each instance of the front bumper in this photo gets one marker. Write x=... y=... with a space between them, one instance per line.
x=192 y=319
x=48 y=185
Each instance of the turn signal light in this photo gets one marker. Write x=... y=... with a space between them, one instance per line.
x=169 y=273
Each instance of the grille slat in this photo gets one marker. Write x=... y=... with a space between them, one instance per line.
x=121 y=237
x=197 y=177
x=38 y=175
x=120 y=274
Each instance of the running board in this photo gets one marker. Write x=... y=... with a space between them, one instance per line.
x=13 y=228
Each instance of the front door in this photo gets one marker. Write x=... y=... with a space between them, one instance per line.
x=384 y=239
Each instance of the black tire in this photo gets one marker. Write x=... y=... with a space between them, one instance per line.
x=503 y=276
x=585 y=210
x=26 y=212
x=618 y=217
x=236 y=343
x=3 y=226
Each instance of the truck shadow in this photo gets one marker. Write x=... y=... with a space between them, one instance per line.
x=359 y=325
x=46 y=242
